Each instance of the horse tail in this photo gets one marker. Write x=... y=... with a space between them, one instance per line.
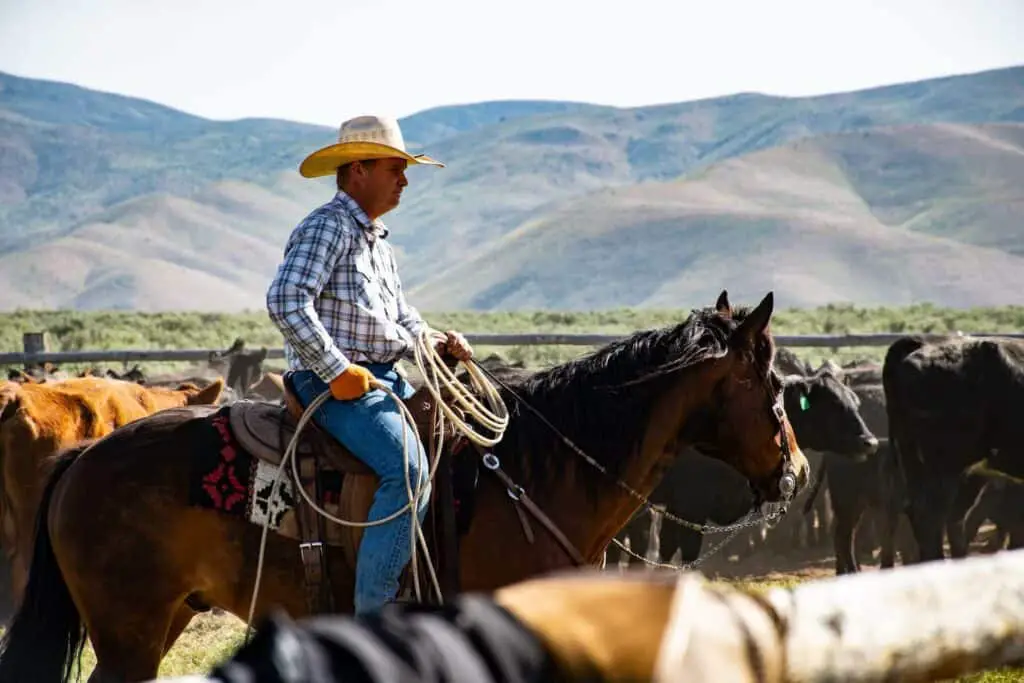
x=46 y=637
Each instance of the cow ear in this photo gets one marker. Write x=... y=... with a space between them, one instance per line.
x=208 y=395
x=797 y=392
x=804 y=399
x=10 y=399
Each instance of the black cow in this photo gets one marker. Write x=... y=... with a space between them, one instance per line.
x=825 y=415
x=244 y=367
x=876 y=486
x=788 y=363
x=1000 y=503
x=951 y=404
x=857 y=486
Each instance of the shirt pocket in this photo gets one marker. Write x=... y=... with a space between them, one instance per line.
x=365 y=281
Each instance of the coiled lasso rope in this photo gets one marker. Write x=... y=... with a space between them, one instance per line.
x=437 y=377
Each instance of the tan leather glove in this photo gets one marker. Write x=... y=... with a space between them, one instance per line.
x=352 y=383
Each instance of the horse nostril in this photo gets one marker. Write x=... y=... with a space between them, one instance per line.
x=870 y=441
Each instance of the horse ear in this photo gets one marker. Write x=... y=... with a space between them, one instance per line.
x=722 y=305
x=755 y=322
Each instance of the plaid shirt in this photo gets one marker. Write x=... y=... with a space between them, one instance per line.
x=337 y=298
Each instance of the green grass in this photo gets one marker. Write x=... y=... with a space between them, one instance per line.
x=74 y=330
x=206 y=642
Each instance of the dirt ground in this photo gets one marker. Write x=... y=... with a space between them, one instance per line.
x=770 y=563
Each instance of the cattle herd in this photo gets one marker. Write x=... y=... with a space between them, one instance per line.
x=926 y=445
x=927 y=442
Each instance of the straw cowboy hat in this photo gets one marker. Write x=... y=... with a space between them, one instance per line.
x=361 y=138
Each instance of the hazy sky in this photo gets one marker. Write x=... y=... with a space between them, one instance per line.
x=322 y=62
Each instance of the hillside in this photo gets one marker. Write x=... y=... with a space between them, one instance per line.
x=502 y=175
x=863 y=217
x=67 y=152
x=108 y=201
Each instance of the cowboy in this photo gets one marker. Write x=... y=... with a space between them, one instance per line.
x=339 y=304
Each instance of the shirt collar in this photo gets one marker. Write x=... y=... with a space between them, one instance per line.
x=374 y=227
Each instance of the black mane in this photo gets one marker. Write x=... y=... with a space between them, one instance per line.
x=601 y=401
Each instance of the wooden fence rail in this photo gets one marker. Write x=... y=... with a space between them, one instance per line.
x=33 y=352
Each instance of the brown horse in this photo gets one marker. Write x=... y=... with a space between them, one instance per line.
x=38 y=419
x=131 y=565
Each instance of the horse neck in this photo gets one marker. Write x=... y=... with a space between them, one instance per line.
x=591 y=506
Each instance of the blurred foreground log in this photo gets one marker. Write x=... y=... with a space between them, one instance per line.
x=927 y=622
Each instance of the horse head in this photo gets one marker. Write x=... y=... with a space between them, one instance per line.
x=741 y=419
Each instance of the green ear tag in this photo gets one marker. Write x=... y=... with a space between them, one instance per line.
x=804 y=403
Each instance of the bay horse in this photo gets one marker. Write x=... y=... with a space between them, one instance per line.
x=122 y=557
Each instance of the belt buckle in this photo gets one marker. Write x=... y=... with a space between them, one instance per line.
x=309 y=546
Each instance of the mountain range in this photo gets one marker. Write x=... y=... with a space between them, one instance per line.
x=899 y=194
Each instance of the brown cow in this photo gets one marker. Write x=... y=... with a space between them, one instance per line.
x=36 y=420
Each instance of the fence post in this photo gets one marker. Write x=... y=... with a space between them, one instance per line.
x=34 y=342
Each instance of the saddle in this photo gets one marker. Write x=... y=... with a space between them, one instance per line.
x=264 y=430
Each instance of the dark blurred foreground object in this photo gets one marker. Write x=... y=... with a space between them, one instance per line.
x=928 y=622
x=472 y=639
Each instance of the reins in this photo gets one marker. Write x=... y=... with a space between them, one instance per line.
x=495 y=418
x=645 y=502
x=787 y=487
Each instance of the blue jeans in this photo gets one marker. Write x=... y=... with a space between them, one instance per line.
x=372 y=427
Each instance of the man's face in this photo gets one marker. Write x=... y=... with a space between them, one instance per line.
x=384 y=182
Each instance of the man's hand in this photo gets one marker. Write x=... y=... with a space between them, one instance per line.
x=453 y=343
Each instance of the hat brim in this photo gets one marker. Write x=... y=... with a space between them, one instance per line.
x=325 y=161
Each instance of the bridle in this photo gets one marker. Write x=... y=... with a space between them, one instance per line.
x=784 y=473
x=787 y=479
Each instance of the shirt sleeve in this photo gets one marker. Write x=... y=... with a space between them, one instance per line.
x=408 y=316
x=309 y=260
